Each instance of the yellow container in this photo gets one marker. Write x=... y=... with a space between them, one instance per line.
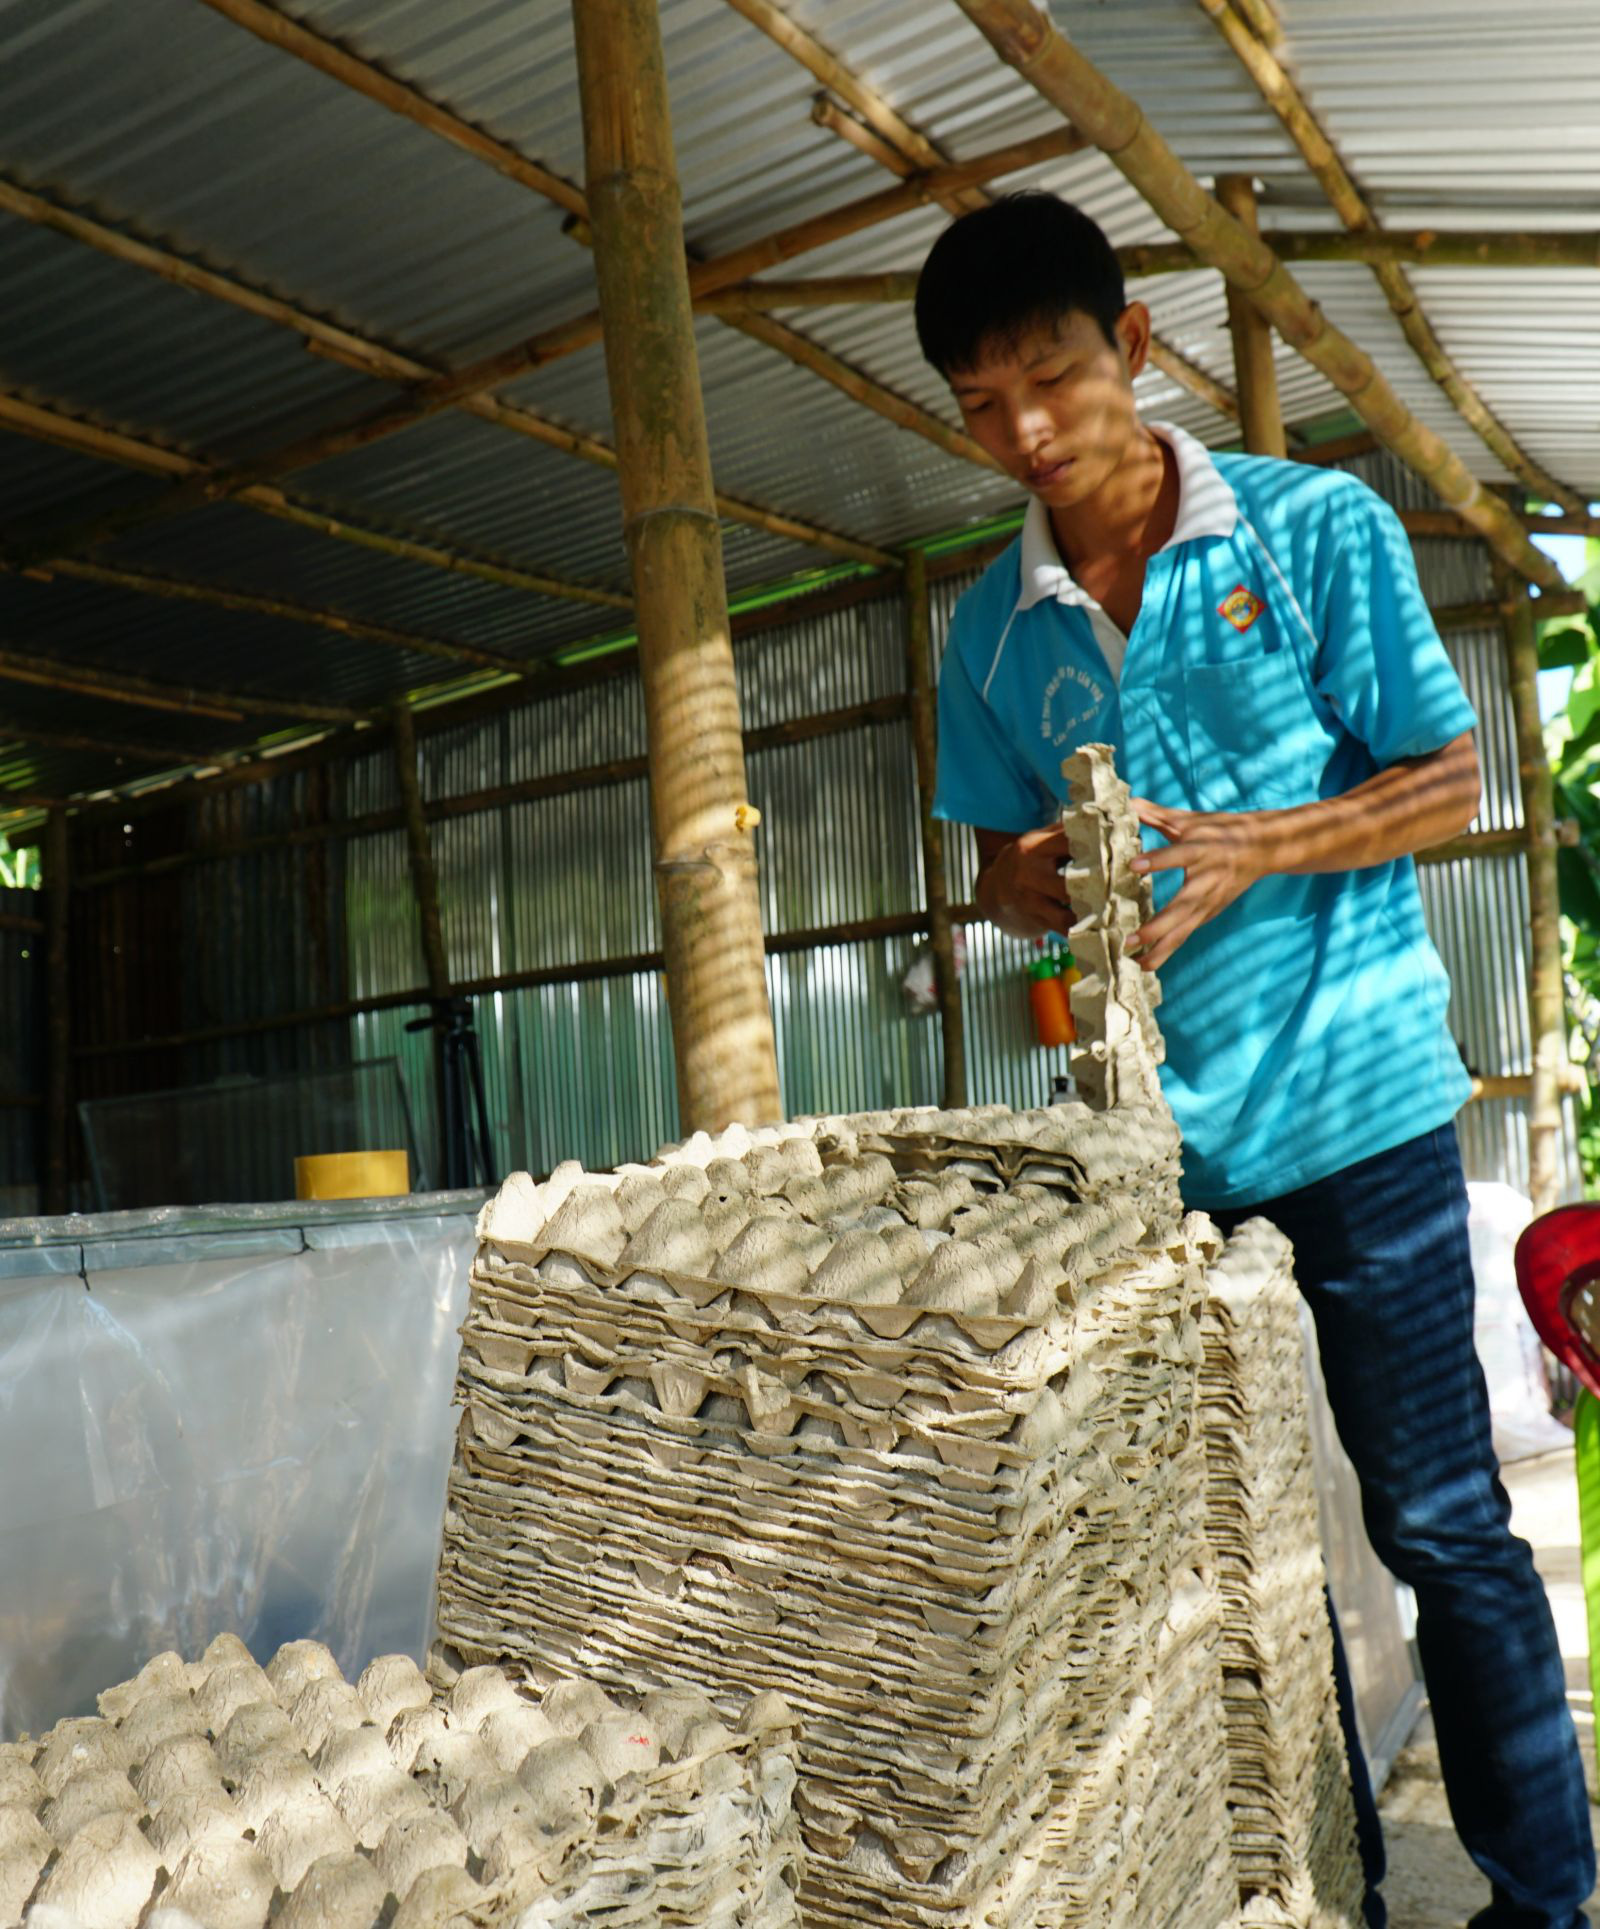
x=352 y=1175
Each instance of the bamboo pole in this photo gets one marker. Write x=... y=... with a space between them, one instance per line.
x=1352 y=208
x=42 y=738
x=1425 y=247
x=1254 y=372
x=338 y=63
x=91 y=438
x=385 y=364
x=1547 y=1015
x=904 y=414
x=902 y=151
x=118 y=686
x=181 y=589
x=704 y=857
x=1192 y=376
x=429 y=398
x=58 y=1023
x=1026 y=40
x=925 y=743
x=895 y=134
x=826 y=112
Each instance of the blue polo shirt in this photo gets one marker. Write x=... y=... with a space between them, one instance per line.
x=1282 y=653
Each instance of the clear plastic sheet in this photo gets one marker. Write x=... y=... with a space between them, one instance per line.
x=220 y=1420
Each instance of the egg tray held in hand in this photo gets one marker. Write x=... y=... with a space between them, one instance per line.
x=222 y=1795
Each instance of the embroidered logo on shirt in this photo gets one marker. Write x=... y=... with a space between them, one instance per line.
x=1241 y=606
x=1064 y=715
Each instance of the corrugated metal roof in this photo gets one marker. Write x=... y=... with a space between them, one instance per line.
x=171 y=122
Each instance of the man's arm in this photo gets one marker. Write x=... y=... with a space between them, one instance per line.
x=1413 y=803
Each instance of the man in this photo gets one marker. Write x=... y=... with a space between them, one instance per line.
x=1250 y=637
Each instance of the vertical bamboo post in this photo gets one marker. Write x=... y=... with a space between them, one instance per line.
x=425 y=887
x=58 y=1022
x=1256 y=377
x=704 y=857
x=1546 y=993
x=925 y=741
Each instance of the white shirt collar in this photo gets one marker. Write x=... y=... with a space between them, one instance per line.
x=1206 y=507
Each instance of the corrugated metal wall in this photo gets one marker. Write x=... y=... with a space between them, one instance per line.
x=584 y=1070
x=21 y=1052
x=212 y=945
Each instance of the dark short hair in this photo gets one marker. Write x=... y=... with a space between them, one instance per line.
x=1024 y=261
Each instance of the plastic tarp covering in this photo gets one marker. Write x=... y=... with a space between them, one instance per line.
x=217 y=1420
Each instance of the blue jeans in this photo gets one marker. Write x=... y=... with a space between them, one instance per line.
x=1382 y=1258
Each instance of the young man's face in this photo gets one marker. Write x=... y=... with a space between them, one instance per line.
x=1056 y=409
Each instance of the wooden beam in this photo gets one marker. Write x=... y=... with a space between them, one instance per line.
x=1547 y=1011
x=20 y=921
x=341 y=64
x=1323 y=158
x=1259 y=413
x=925 y=744
x=1062 y=74
x=704 y=853
x=377 y=359
x=58 y=1014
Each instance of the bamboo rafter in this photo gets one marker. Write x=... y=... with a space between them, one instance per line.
x=1027 y=41
x=41 y=738
x=33 y=419
x=894 y=144
x=427 y=399
x=385 y=363
x=117 y=686
x=1325 y=162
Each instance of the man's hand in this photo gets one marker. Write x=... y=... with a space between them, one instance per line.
x=1221 y=854
x=1402 y=809
x=1019 y=886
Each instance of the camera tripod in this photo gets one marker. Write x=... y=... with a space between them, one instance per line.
x=463 y=1133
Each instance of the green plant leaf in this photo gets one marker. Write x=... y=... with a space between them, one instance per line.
x=1565 y=649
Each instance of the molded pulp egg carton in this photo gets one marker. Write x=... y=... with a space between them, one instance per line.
x=895 y=1414
x=224 y=1795
x=1289 y=1791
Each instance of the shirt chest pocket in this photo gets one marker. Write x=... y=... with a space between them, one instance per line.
x=1254 y=737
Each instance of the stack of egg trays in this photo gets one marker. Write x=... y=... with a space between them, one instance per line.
x=941 y=1534
x=222 y=1794
x=1293 y=1834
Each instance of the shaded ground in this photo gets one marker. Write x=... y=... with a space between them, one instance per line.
x=1431 y=1883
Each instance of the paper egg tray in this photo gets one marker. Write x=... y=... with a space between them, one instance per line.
x=226 y=1795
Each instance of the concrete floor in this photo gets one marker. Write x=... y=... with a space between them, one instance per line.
x=1431 y=1883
